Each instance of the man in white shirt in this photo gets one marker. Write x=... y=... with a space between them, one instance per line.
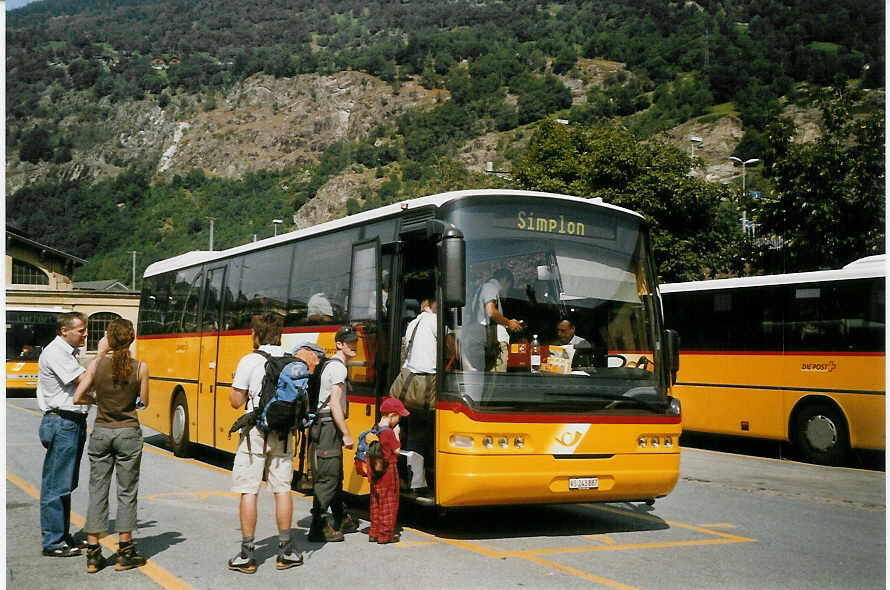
x=331 y=434
x=62 y=432
x=566 y=331
x=258 y=452
x=489 y=313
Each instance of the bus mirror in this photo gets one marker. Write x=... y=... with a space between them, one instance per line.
x=452 y=266
x=672 y=352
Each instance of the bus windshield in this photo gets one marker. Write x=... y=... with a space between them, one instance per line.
x=27 y=332
x=579 y=279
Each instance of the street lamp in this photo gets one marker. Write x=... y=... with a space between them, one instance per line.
x=693 y=139
x=275 y=224
x=744 y=163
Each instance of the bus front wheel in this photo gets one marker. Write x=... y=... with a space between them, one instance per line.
x=820 y=434
x=179 y=426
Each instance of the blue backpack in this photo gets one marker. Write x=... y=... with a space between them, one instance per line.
x=369 y=448
x=282 y=400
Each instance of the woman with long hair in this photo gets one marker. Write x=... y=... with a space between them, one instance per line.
x=116 y=441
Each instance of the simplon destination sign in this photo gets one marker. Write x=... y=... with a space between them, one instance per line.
x=565 y=223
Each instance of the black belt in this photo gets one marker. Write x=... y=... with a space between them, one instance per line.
x=68 y=415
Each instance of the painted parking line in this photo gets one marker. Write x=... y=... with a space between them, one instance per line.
x=711 y=537
x=155 y=572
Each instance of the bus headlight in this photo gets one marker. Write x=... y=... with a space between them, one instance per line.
x=642 y=442
x=502 y=442
x=674 y=408
x=668 y=442
x=461 y=440
x=518 y=442
x=487 y=442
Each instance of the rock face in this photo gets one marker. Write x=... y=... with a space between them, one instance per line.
x=262 y=123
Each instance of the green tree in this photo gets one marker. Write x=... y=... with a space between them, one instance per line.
x=828 y=200
x=694 y=234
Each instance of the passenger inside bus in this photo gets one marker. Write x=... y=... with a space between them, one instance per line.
x=319 y=309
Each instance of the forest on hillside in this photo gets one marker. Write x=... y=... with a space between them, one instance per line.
x=499 y=61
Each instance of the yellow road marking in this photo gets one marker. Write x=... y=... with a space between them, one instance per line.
x=30 y=411
x=718 y=525
x=462 y=544
x=158 y=574
x=604 y=538
x=579 y=573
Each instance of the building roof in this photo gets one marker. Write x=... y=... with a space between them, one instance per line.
x=105 y=285
x=15 y=235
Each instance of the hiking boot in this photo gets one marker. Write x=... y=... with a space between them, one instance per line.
x=393 y=539
x=325 y=535
x=64 y=550
x=287 y=557
x=243 y=561
x=95 y=561
x=128 y=558
x=349 y=524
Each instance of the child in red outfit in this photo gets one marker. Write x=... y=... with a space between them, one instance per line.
x=385 y=489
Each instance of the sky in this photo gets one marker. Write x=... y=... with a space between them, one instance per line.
x=13 y=4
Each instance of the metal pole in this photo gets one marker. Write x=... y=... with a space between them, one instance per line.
x=211 y=233
x=133 y=284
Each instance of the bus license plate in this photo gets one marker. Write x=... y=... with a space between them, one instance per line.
x=583 y=483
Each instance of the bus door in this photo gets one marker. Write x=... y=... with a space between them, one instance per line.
x=365 y=299
x=211 y=318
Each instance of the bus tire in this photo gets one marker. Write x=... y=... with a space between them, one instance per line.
x=179 y=426
x=821 y=434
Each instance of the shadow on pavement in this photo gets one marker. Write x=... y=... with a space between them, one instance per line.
x=772 y=449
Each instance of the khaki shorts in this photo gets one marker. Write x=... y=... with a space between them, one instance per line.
x=247 y=473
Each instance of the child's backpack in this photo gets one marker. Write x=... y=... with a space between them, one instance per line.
x=368 y=448
x=282 y=401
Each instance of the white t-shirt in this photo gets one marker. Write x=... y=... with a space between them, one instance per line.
x=319 y=305
x=57 y=377
x=491 y=291
x=250 y=372
x=332 y=374
x=576 y=340
x=422 y=358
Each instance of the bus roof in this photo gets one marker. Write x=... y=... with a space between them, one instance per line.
x=201 y=256
x=864 y=268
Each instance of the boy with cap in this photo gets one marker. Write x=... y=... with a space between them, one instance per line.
x=329 y=438
x=385 y=488
x=257 y=453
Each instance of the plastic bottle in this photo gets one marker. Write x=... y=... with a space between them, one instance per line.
x=536 y=355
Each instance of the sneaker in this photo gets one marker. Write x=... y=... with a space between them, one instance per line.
x=325 y=535
x=349 y=524
x=77 y=542
x=64 y=550
x=243 y=561
x=287 y=557
x=95 y=561
x=128 y=558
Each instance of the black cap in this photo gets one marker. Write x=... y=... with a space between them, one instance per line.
x=346 y=334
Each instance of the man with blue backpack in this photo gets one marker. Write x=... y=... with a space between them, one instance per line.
x=271 y=385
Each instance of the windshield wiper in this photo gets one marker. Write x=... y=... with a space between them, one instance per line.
x=652 y=407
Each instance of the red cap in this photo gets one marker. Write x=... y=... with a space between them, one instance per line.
x=392 y=404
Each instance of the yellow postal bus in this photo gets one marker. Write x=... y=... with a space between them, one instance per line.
x=594 y=424
x=28 y=330
x=795 y=357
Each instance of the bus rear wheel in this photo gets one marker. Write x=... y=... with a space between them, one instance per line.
x=179 y=426
x=821 y=435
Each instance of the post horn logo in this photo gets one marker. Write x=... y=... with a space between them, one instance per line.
x=569 y=439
